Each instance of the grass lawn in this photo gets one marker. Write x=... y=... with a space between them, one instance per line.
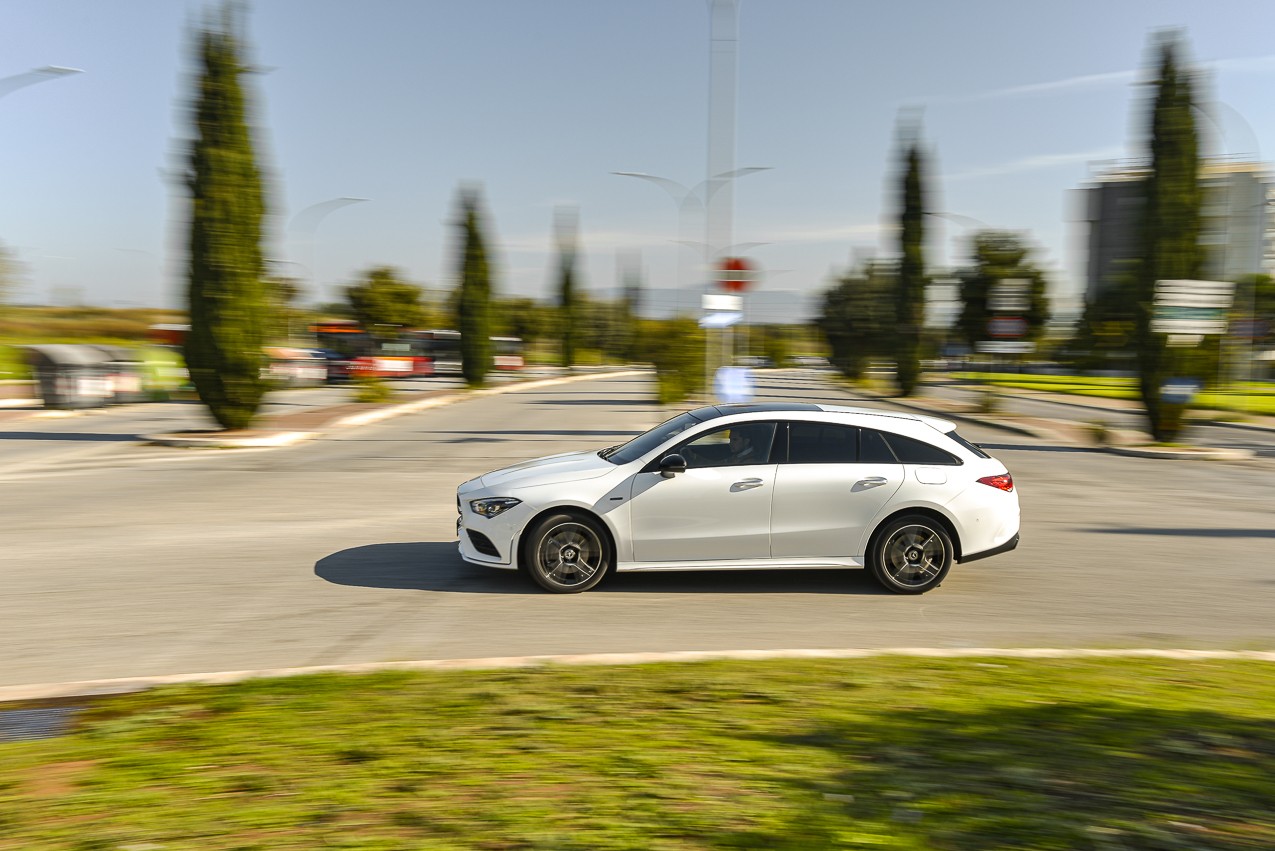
x=866 y=754
x=1253 y=397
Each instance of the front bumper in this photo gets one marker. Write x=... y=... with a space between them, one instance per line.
x=487 y=541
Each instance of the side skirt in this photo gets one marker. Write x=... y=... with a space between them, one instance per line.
x=741 y=564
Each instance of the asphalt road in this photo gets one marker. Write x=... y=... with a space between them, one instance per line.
x=149 y=561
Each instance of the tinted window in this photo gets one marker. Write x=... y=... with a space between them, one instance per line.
x=910 y=451
x=644 y=443
x=972 y=447
x=819 y=443
x=733 y=446
x=873 y=449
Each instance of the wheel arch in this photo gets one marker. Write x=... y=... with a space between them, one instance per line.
x=566 y=508
x=924 y=511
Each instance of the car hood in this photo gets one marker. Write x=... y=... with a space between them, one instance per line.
x=572 y=466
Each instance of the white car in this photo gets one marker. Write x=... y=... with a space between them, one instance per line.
x=749 y=487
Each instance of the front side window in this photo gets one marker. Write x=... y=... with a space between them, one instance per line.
x=732 y=446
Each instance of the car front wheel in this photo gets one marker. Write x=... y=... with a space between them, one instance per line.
x=566 y=553
x=911 y=555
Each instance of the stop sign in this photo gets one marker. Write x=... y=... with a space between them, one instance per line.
x=734 y=274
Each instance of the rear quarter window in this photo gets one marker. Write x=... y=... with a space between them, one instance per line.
x=972 y=447
x=911 y=451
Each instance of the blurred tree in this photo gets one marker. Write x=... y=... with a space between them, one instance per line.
x=1107 y=327
x=229 y=302
x=1171 y=248
x=8 y=274
x=473 y=309
x=1000 y=255
x=909 y=304
x=631 y=309
x=283 y=293
x=521 y=317
x=383 y=303
x=676 y=348
x=565 y=228
x=856 y=319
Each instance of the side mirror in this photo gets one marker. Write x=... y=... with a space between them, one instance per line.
x=671 y=464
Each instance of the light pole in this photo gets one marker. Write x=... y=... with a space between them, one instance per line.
x=688 y=198
x=307 y=222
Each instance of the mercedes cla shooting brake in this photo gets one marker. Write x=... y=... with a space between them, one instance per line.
x=748 y=487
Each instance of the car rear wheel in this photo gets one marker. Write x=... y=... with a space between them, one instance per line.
x=911 y=555
x=566 y=553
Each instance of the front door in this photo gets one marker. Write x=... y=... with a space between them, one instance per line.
x=718 y=510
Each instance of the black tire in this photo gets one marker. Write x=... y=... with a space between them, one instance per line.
x=566 y=553
x=911 y=554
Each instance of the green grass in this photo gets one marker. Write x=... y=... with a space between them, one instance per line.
x=1247 y=397
x=876 y=753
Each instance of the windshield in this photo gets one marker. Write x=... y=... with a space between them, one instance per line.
x=645 y=442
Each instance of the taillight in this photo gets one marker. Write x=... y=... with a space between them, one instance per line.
x=1004 y=482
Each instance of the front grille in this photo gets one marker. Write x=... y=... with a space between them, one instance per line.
x=483 y=544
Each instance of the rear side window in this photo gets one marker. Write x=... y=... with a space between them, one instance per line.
x=819 y=443
x=873 y=449
x=912 y=451
x=972 y=447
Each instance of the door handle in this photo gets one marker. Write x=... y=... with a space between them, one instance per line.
x=873 y=481
x=748 y=483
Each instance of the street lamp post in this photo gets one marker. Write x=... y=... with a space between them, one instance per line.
x=699 y=196
x=35 y=75
x=307 y=222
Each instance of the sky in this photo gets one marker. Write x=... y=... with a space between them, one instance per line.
x=538 y=102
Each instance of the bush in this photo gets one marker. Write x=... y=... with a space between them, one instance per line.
x=676 y=349
x=370 y=388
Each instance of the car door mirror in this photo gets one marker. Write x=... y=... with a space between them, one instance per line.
x=672 y=464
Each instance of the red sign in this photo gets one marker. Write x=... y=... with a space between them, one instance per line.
x=735 y=274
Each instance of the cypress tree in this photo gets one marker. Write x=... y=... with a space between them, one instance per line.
x=473 y=308
x=1171 y=248
x=228 y=295
x=909 y=305
x=568 y=313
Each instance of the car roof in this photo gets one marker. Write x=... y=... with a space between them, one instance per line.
x=714 y=411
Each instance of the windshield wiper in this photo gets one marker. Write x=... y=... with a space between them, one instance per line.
x=609 y=451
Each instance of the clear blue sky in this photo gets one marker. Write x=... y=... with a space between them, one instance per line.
x=402 y=101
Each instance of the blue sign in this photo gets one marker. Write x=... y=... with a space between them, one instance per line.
x=734 y=384
x=1179 y=391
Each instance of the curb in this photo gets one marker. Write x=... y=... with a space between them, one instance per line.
x=126 y=685
x=1202 y=453
x=290 y=438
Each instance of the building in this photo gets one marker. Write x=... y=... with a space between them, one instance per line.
x=1236 y=224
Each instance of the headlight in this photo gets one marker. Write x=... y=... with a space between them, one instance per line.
x=492 y=506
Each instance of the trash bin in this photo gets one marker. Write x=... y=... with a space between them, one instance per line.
x=70 y=376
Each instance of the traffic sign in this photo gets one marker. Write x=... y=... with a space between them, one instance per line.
x=1005 y=347
x=1010 y=295
x=1187 y=307
x=735 y=273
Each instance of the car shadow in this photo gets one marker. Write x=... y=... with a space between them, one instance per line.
x=437 y=566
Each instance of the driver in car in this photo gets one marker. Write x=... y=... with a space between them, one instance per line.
x=743 y=448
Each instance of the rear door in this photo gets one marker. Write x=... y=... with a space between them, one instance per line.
x=835 y=482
